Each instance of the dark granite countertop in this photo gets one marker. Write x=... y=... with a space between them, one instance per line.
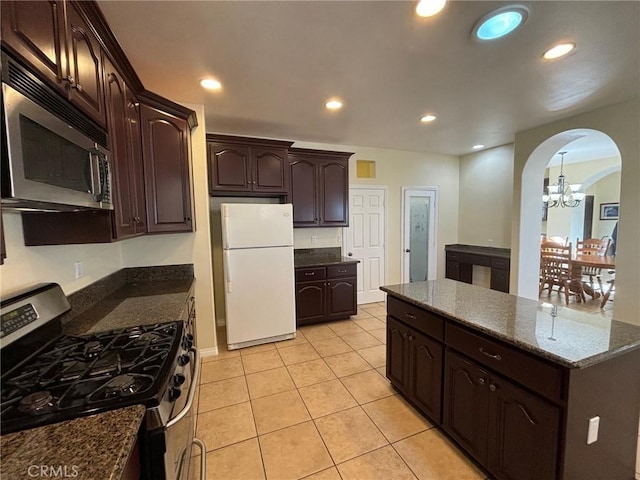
x=133 y=304
x=320 y=257
x=574 y=339
x=87 y=448
x=479 y=250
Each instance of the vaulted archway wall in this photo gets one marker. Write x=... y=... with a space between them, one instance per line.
x=533 y=149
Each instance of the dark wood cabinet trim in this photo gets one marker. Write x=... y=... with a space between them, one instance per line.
x=262 y=142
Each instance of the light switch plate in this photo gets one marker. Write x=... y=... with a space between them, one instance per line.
x=592 y=433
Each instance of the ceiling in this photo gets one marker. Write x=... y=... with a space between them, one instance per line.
x=279 y=61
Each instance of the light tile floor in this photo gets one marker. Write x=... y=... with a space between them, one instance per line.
x=317 y=407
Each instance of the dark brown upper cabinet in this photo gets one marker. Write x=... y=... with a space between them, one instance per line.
x=319 y=187
x=57 y=40
x=165 y=152
x=126 y=159
x=247 y=166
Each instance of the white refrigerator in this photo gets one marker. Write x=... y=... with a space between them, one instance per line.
x=257 y=242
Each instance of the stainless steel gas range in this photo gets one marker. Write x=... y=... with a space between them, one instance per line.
x=48 y=377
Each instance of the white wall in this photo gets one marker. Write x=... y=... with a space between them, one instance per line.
x=486 y=195
x=324 y=237
x=398 y=168
x=533 y=148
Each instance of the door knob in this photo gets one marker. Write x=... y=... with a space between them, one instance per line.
x=350 y=254
x=407 y=250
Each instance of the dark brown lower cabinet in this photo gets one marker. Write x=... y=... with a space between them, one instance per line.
x=503 y=426
x=322 y=294
x=414 y=366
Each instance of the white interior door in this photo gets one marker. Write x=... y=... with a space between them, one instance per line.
x=364 y=240
x=419 y=259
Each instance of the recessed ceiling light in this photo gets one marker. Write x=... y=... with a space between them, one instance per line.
x=333 y=104
x=558 y=51
x=210 y=84
x=477 y=147
x=500 y=22
x=428 y=118
x=428 y=8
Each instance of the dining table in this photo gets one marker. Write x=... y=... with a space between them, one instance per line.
x=595 y=261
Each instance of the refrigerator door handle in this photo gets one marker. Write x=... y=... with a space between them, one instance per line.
x=225 y=227
x=227 y=270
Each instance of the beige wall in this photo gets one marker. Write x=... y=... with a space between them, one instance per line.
x=606 y=190
x=398 y=168
x=486 y=197
x=25 y=266
x=324 y=237
x=533 y=149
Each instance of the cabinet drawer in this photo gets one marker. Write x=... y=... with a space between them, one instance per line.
x=453 y=256
x=540 y=376
x=339 y=271
x=419 y=319
x=500 y=263
x=310 y=274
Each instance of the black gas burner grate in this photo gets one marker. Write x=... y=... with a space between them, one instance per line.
x=82 y=373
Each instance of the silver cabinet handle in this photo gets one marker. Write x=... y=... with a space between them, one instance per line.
x=492 y=387
x=481 y=381
x=310 y=274
x=410 y=315
x=495 y=356
x=192 y=392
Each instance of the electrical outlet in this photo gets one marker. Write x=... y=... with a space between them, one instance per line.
x=79 y=270
x=314 y=239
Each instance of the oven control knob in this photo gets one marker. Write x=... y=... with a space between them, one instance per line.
x=187 y=342
x=183 y=359
x=178 y=379
x=174 y=393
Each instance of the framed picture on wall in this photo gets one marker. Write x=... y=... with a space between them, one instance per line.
x=609 y=211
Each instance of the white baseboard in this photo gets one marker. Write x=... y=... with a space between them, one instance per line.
x=208 y=352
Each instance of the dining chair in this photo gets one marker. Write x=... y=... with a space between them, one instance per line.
x=593 y=246
x=556 y=270
x=558 y=239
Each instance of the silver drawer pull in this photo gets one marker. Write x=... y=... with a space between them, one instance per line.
x=410 y=315
x=495 y=356
x=310 y=274
x=342 y=271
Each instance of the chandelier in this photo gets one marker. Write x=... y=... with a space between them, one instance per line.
x=562 y=193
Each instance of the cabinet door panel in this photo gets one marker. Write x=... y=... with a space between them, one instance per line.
x=500 y=280
x=135 y=162
x=304 y=193
x=466 y=404
x=397 y=354
x=32 y=29
x=84 y=65
x=269 y=170
x=426 y=374
x=229 y=168
x=334 y=191
x=341 y=298
x=310 y=302
x=118 y=135
x=523 y=434
x=166 y=166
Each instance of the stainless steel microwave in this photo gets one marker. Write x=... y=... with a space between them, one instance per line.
x=49 y=164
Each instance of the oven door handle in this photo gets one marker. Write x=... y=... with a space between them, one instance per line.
x=192 y=391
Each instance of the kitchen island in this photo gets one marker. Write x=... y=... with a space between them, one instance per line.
x=527 y=395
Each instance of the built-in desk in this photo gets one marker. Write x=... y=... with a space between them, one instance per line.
x=462 y=258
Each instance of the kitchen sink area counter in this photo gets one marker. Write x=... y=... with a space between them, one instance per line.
x=525 y=393
x=130 y=297
x=95 y=447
